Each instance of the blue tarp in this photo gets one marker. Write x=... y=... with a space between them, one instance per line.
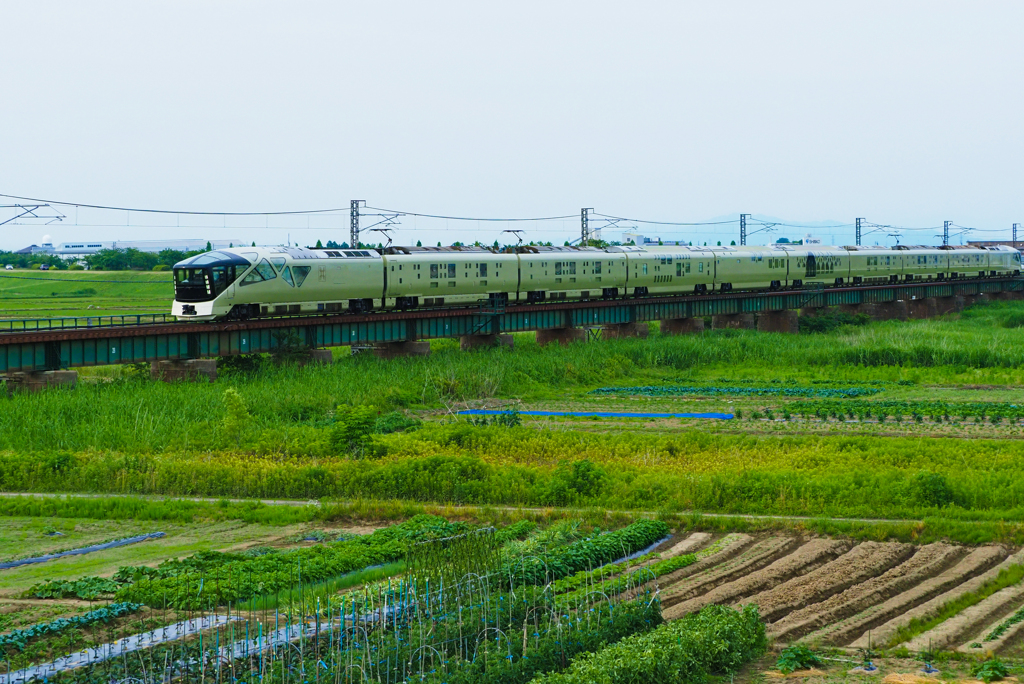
x=598 y=414
x=85 y=549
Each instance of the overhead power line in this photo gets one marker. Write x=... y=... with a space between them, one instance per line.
x=470 y=218
x=170 y=211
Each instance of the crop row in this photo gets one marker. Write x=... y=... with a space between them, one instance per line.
x=19 y=638
x=717 y=640
x=729 y=390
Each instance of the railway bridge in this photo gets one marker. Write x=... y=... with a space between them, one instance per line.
x=41 y=353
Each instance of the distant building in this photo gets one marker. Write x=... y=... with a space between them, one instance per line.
x=45 y=248
x=93 y=246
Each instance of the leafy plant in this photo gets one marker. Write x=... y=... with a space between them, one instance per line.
x=19 y=638
x=795 y=658
x=87 y=588
x=990 y=670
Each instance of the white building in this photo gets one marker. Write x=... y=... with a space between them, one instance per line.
x=79 y=247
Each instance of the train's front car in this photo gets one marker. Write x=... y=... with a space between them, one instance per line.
x=204 y=285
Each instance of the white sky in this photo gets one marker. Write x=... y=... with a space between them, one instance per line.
x=905 y=113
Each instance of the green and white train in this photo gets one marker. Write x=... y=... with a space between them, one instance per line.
x=238 y=284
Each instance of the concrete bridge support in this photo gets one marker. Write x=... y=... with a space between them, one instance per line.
x=37 y=381
x=742 y=321
x=618 y=330
x=778 y=321
x=191 y=370
x=919 y=309
x=892 y=311
x=394 y=350
x=563 y=336
x=467 y=342
x=682 y=326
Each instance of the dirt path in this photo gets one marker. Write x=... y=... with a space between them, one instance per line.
x=862 y=562
x=926 y=562
x=842 y=631
x=885 y=632
x=753 y=558
x=960 y=626
x=805 y=559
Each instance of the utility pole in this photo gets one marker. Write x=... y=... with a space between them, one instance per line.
x=585 y=226
x=858 y=231
x=743 y=228
x=1015 y=235
x=353 y=228
x=945 y=232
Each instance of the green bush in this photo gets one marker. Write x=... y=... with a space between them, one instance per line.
x=716 y=640
x=796 y=658
x=161 y=267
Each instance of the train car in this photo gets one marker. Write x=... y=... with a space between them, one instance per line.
x=242 y=283
x=555 y=273
x=440 y=276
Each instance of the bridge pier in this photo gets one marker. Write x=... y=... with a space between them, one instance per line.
x=945 y=305
x=682 y=326
x=37 y=381
x=785 y=321
x=467 y=342
x=920 y=309
x=740 y=321
x=892 y=311
x=191 y=370
x=563 y=336
x=619 y=330
x=971 y=300
x=1006 y=296
x=863 y=309
x=394 y=350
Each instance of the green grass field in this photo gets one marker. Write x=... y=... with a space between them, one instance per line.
x=52 y=294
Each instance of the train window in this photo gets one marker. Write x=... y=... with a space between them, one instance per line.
x=483 y=270
x=451 y=272
x=263 y=271
x=679 y=269
x=700 y=267
x=278 y=262
x=558 y=268
x=597 y=267
x=887 y=260
x=572 y=268
x=645 y=269
x=300 y=273
x=287 y=275
x=433 y=270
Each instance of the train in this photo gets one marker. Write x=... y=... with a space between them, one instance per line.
x=246 y=283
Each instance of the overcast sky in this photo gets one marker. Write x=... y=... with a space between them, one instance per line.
x=905 y=113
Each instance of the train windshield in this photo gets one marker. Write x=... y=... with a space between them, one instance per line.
x=206 y=276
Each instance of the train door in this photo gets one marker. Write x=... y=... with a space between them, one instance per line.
x=812 y=266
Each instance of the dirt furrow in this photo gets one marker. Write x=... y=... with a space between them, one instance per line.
x=753 y=558
x=978 y=645
x=926 y=562
x=808 y=557
x=885 y=632
x=694 y=542
x=969 y=620
x=728 y=546
x=863 y=561
x=842 y=631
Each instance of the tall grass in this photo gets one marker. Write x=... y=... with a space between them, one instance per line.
x=140 y=416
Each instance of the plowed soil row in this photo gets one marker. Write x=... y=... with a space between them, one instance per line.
x=841 y=632
x=884 y=633
x=753 y=558
x=806 y=558
x=861 y=563
x=926 y=562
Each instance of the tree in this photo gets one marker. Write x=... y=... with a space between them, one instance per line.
x=733 y=243
x=331 y=244
x=253 y=243
x=209 y=247
x=439 y=243
x=419 y=244
x=719 y=243
x=319 y=245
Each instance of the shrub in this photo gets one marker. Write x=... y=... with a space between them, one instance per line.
x=796 y=658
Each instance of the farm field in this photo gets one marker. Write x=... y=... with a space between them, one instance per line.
x=33 y=294
x=866 y=496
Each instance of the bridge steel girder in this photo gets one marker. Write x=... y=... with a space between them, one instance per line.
x=56 y=349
